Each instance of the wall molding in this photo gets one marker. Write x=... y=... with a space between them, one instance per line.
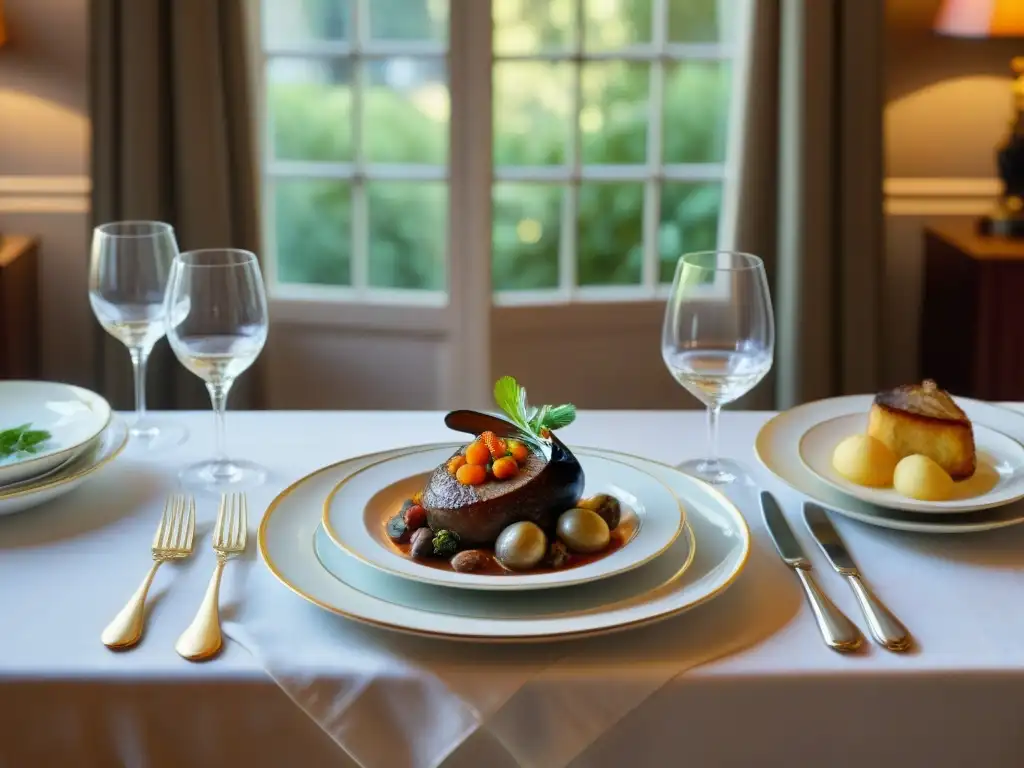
x=909 y=196
x=44 y=194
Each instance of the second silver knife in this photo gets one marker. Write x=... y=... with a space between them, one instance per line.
x=839 y=632
x=886 y=629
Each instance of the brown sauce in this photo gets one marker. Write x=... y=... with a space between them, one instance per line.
x=624 y=532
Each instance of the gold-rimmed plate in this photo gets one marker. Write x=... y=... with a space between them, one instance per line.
x=777 y=447
x=357 y=510
x=702 y=563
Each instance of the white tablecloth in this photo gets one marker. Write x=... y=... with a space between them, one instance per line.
x=786 y=700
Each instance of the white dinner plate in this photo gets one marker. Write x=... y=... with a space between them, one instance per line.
x=358 y=508
x=98 y=454
x=778 y=449
x=73 y=416
x=28 y=482
x=701 y=564
x=998 y=479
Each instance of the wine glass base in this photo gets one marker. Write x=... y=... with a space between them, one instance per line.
x=720 y=472
x=155 y=435
x=222 y=475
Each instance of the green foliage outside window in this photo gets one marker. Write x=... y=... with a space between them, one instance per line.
x=311 y=120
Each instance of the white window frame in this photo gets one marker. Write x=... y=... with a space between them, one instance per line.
x=470 y=185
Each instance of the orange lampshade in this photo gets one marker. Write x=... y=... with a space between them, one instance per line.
x=981 y=18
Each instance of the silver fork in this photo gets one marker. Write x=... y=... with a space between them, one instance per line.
x=172 y=541
x=202 y=639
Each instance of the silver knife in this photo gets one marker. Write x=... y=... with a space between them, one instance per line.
x=887 y=630
x=839 y=632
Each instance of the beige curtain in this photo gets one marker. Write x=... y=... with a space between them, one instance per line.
x=172 y=140
x=810 y=192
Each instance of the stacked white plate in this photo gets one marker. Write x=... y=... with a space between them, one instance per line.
x=83 y=434
x=796 y=446
x=323 y=537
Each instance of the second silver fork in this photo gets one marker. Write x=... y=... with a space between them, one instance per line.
x=202 y=640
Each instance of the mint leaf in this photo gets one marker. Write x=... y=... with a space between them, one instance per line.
x=511 y=398
x=558 y=416
x=21 y=439
x=537 y=418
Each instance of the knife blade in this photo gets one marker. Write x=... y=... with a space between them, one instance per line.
x=838 y=631
x=888 y=631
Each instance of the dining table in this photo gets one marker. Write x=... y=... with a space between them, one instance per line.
x=741 y=680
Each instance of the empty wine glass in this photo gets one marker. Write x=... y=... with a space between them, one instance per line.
x=718 y=340
x=129 y=267
x=217 y=326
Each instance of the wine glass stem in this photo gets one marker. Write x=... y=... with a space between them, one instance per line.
x=219 y=398
x=713 y=411
x=139 y=356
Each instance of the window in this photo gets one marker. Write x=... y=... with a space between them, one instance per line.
x=356 y=145
x=609 y=145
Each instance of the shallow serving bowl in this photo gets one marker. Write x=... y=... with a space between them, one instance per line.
x=998 y=479
x=357 y=509
x=73 y=416
x=97 y=454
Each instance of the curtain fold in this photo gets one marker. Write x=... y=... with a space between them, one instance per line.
x=172 y=140
x=810 y=191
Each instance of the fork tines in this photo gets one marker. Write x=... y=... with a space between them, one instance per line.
x=231 y=529
x=177 y=527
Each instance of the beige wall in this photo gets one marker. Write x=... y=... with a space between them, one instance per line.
x=947 y=106
x=44 y=185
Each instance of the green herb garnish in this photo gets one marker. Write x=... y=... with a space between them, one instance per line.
x=22 y=439
x=446 y=543
x=535 y=422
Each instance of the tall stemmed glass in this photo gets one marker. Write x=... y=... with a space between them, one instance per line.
x=217 y=326
x=129 y=267
x=718 y=340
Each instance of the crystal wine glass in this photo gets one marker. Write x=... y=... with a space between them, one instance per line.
x=217 y=326
x=718 y=340
x=128 y=271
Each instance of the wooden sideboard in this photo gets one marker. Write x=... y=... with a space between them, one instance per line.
x=19 y=307
x=972 y=320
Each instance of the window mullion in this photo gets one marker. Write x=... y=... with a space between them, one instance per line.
x=467 y=379
x=360 y=249
x=655 y=159
x=569 y=241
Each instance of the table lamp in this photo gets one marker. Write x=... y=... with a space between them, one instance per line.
x=993 y=19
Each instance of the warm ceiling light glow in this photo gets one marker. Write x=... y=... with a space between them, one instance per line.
x=981 y=18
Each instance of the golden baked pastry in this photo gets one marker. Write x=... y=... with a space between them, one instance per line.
x=923 y=419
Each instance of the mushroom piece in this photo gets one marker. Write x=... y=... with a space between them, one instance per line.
x=521 y=546
x=608 y=507
x=583 y=530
